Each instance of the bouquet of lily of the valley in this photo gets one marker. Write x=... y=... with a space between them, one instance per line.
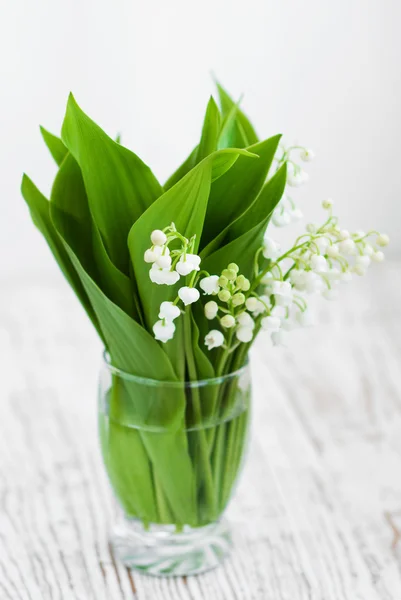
x=178 y=280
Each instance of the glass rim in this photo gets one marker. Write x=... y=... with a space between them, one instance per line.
x=174 y=384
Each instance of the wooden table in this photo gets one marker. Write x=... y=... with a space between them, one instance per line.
x=318 y=512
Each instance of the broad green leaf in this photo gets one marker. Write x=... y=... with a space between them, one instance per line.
x=134 y=350
x=39 y=208
x=210 y=131
x=248 y=231
x=244 y=135
x=182 y=170
x=262 y=206
x=232 y=194
x=69 y=195
x=207 y=144
x=120 y=187
x=55 y=146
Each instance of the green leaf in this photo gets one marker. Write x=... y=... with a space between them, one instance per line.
x=55 y=145
x=210 y=131
x=69 y=195
x=207 y=145
x=120 y=187
x=40 y=211
x=247 y=233
x=134 y=350
x=232 y=194
x=243 y=133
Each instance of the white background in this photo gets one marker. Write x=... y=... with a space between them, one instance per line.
x=323 y=73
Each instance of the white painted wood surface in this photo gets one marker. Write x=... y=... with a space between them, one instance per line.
x=317 y=514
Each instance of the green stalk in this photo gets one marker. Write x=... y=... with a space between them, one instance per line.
x=201 y=434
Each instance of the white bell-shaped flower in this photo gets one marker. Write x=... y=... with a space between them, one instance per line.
x=271 y=249
x=164 y=330
x=163 y=276
x=187 y=264
x=152 y=254
x=347 y=247
x=377 y=256
x=281 y=217
x=214 y=339
x=188 y=295
x=296 y=178
x=211 y=310
x=307 y=155
x=164 y=260
x=210 y=285
x=296 y=215
x=318 y=263
x=332 y=251
x=271 y=323
x=244 y=334
x=304 y=318
x=169 y=311
x=382 y=240
x=158 y=237
x=245 y=320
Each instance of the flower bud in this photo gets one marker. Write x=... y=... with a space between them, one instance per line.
x=238 y=299
x=227 y=321
x=158 y=237
x=223 y=281
x=307 y=155
x=377 y=256
x=211 y=309
x=344 y=234
x=224 y=295
x=233 y=267
x=327 y=204
x=382 y=240
x=243 y=283
x=230 y=274
x=311 y=228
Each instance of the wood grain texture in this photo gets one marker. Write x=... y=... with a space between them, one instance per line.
x=317 y=515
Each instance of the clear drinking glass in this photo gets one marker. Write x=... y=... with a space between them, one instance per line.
x=173 y=452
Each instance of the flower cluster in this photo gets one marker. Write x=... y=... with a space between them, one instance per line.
x=275 y=299
x=287 y=212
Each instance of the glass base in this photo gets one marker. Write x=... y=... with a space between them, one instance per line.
x=161 y=551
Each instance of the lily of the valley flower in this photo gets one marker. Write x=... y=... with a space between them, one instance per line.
x=211 y=310
x=163 y=276
x=271 y=249
x=187 y=264
x=169 y=311
x=214 y=339
x=271 y=323
x=188 y=295
x=210 y=285
x=158 y=237
x=244 y=334
x=164 y=330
